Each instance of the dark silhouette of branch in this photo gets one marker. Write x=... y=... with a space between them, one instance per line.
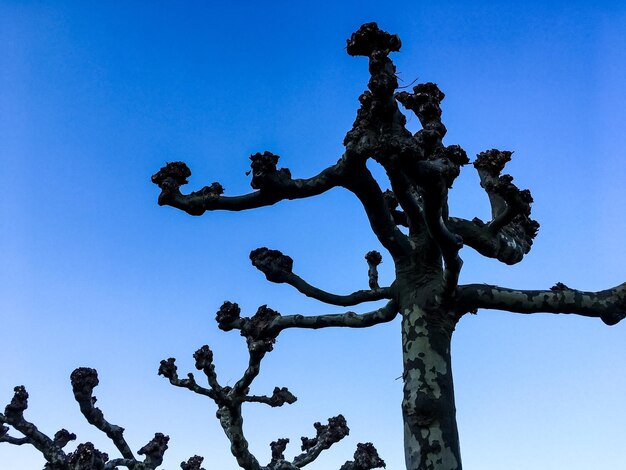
x=194 y=463
x=326 y=436
x=84 y=380
x=279 y=397
x=434 y=175
x=228 y=319
x=230 y=399
x=365 y=458
x=609 y=305
x=277 y=267
x=18 y=441
x=366 y=189
x=509 y=235
x=272 y=184
x=14 y=416
x=85 y=456
x=509 y=245
x=373 y=258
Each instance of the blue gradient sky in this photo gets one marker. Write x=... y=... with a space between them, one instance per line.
x=96 y=96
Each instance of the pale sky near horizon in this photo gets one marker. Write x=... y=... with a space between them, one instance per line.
x=96 y=96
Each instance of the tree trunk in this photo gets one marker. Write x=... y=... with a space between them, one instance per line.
x=431 y=439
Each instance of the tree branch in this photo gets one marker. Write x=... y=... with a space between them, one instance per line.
x=326 y=436
x=273 y=185
x=85 y=455
x=435 y=176
x=84 y=380
x=399 y=217
x=279 y=397
x=277 y=268
x=154 y=450
x=510 y=210
x=260 y=332
x=361 y=182
x=509 y=245
x=405 y=193
x=168 y=369
x=609 y=305
x=365 y=458
x=18 y=441
x=229 y=399
x=193 y=463
x=14 y=416
x=267 y=327
x=378 y=131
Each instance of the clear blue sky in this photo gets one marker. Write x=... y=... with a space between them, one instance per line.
x=96 y=96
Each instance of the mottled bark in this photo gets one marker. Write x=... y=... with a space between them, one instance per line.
x=609 y=305
x=431 y=440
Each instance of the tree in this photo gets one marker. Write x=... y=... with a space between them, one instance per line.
x=412 y=223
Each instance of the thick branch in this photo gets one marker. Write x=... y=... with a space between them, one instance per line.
x=609 y=305
x=14 y=415
x=510 y=206
x=379 y=130
x=364 y=186
x=257 y=351
x=425 y=102
x=228 y=319
x=273 y=185
x=154 y=450
x=406 y=193
x=84 y=380
x=348 y=319
x=508 y=245
x=435 y=176
x=489 y=165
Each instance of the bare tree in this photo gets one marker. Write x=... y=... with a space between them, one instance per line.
x=412 y=223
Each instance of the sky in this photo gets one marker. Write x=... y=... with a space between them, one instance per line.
x=96 y=96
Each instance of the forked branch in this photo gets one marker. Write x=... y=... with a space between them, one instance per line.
x=13 y=415
x=278 y=268
x=85 y=456
x=260 y=333
x=510 y=233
